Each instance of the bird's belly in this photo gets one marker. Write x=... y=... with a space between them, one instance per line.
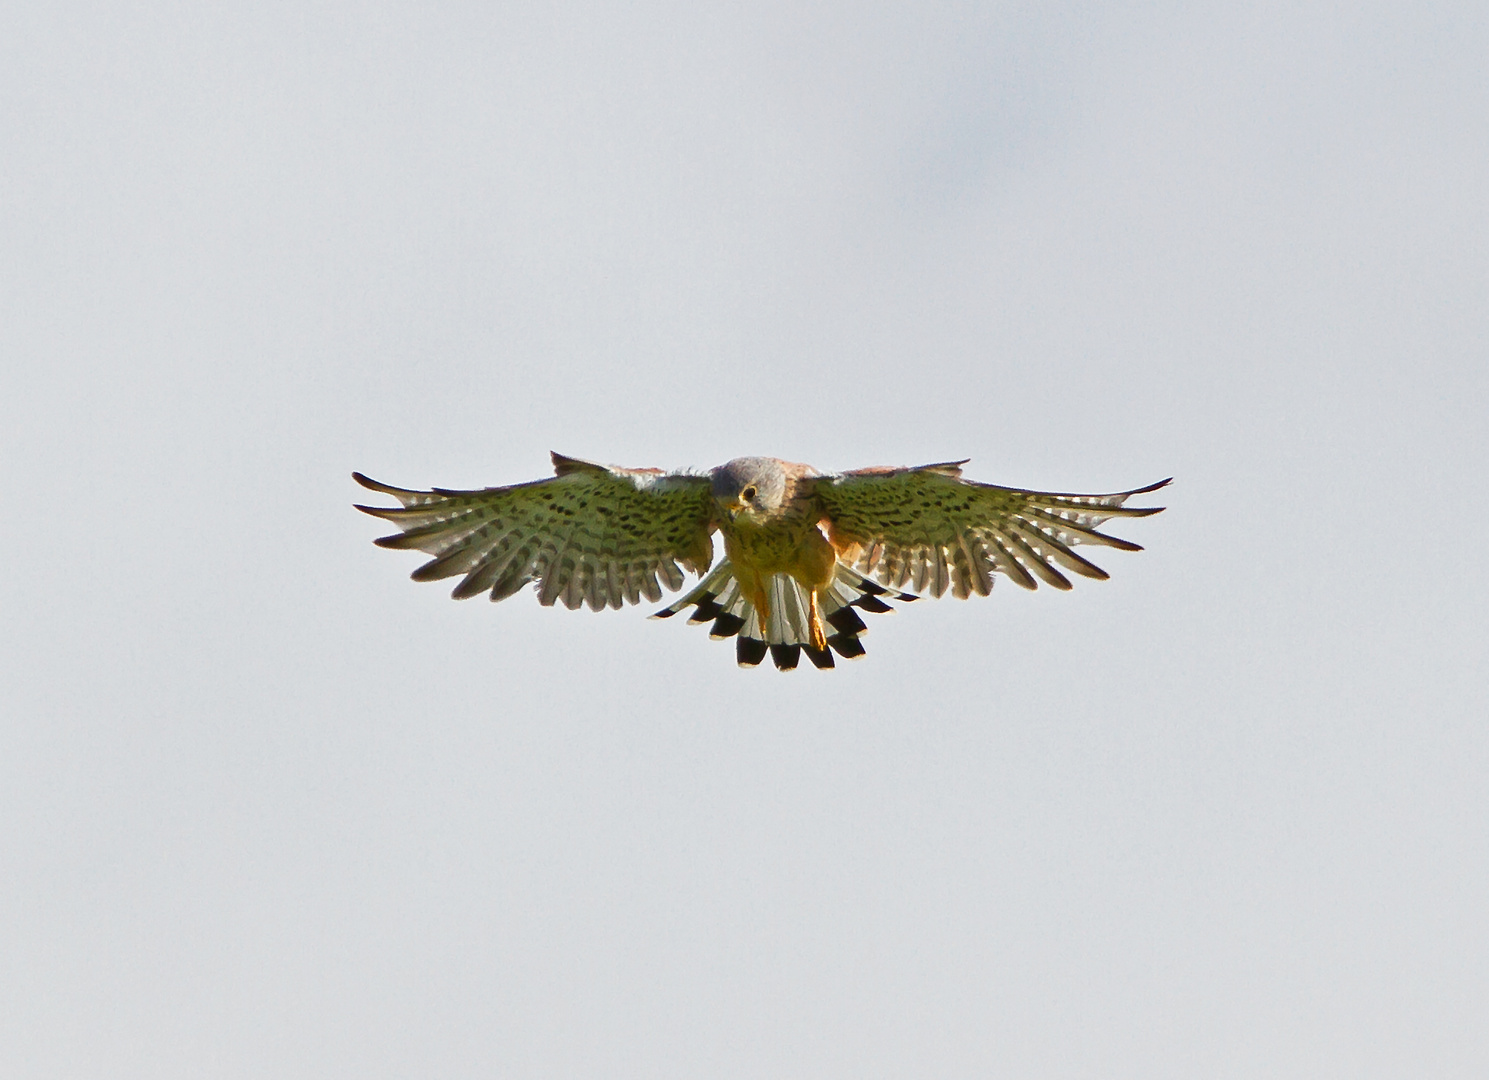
x=805 y=554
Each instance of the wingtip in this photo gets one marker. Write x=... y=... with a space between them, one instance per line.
x=945 y=468
x=1146 y=511
x=563 y=464
x=377 y=485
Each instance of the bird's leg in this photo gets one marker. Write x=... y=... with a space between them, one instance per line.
x=814 y=622
x=762 y=606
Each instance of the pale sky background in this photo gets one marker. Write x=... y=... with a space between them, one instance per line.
x=270 y=809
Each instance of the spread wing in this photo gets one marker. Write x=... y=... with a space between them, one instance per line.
x=928 y=528
x=591 y=534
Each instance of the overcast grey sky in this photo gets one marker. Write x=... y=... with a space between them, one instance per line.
x=272 y=810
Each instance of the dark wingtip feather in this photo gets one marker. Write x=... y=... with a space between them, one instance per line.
x=377 y=485
x=1147 y=511
x=434 y=570
x=563 y=464
x=395 y=542
x=375 y=511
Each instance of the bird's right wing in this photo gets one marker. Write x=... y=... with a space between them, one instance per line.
x=591 y=534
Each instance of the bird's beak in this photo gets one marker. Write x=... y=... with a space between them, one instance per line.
x=733 y=508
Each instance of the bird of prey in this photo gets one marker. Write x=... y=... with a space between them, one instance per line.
x=804 y=551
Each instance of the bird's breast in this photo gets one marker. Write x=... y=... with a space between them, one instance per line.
x=781 y=546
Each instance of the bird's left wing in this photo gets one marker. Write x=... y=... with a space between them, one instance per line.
x=590 y=534
x=928 y=528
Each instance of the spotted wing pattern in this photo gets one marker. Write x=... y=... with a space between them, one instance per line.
x=931 y=530
x=590 y=534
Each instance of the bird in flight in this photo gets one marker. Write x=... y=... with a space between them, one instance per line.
x=804 y=551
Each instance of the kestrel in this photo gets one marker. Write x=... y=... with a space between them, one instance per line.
x=801 y=548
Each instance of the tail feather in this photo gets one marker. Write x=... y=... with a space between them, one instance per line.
x=719 y=600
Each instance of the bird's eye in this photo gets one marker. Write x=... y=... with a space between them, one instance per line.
x=748 y=494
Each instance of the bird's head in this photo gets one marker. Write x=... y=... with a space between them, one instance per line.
x=751 y=488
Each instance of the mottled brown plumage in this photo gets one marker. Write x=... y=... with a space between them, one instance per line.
x=799 y=546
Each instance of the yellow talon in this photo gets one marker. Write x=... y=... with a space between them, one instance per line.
x=762 y=605
x=814 y=623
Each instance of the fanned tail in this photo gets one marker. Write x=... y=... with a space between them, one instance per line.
x=719 y=600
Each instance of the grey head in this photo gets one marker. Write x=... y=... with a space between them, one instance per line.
x=750 y=486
